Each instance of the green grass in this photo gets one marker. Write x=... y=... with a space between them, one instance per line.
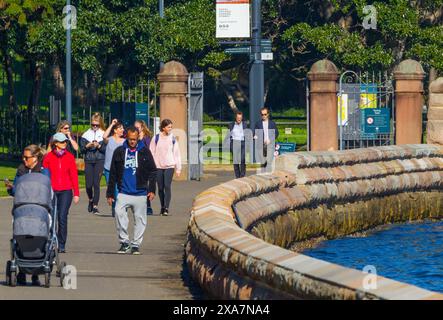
x=298 y=135
x=291 y=112
x=8 y=170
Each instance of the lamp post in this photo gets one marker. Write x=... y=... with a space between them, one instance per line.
x=256 y=73
x=68 y=63
x=161 y=9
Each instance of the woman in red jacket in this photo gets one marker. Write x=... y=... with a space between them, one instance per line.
x=64 y=181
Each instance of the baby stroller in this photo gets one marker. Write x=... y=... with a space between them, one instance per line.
x=34 y=245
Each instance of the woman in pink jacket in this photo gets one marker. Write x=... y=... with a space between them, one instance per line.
x=166 y=152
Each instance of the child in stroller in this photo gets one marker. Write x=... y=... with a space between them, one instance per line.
x=34 y=242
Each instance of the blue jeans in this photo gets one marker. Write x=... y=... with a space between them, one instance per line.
x=106 y=173
x=64 y=200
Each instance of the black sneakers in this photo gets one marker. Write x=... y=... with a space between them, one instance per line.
x=21 y=279
x=135 y=251
x=124 y=248
x=90 y=206
x=95 y=211
x=35 y=281
x=164 y=212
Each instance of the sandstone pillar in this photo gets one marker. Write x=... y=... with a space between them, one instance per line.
x=408 y=77
x=323 y=106
x=435 y=113
x=173 y=80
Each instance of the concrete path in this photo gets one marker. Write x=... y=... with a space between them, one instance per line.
x=158 y=273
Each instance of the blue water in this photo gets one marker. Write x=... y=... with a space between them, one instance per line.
x=410 y=253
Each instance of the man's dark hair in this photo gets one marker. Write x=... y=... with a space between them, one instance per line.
x=238 y=113
x=264 y=108
x=132 y=129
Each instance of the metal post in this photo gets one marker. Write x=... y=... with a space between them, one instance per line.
x=256 y=74
x=161 y=9
x=68 y=65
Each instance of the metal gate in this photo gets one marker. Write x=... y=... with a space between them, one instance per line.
x=195 y=124
x=366 y=110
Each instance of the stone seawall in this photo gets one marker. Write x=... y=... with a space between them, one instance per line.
x=310 y=194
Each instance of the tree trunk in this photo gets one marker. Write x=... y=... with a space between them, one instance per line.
x=57 y=78
x=36 y=73
x=231 y=100
x=7 y=62
x=92 y=91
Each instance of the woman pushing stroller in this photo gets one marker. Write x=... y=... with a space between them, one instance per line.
x=32 y=163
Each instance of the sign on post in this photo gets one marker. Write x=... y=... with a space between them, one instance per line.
x=233 y=19
x=238 y=50
x=284 y=147
x=376 y=120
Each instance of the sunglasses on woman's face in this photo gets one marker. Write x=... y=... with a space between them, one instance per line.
x=27 y=158
x=95 y=125
x=66 y=128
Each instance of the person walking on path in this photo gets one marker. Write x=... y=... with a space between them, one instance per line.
x=65 y=127
x=266 y=132
x=237 y=133
x=133 y=170
x=32 y=163
x=91 y=145
x=166 y=152
x=64 y=181
x=114 y=138
x=145 y=136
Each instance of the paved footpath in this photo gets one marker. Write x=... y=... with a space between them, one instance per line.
x=158 y=273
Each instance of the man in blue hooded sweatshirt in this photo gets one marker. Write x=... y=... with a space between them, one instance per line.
x=133 y=170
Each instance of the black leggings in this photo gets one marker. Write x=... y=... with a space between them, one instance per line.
x=164 y=181
x=93 y=175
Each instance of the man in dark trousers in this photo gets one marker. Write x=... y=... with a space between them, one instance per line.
x=237 y=144
x=265 y=135
x=133 y=170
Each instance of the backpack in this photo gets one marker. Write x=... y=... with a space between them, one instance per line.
x=157 y=136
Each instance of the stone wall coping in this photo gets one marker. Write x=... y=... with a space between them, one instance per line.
x=214 y=229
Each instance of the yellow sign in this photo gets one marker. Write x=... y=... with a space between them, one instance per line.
x=368 y=100
x=343 y=108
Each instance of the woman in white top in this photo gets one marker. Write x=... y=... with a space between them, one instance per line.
x=92 y=147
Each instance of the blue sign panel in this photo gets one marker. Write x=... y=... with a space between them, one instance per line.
x=376 y=121
x=128 y=112
x=285 y=147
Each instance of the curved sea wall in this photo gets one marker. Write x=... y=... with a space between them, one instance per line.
x=239 y=231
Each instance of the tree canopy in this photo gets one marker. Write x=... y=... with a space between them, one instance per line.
x=122 y=38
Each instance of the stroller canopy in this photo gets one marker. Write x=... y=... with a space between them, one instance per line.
x=33 y=188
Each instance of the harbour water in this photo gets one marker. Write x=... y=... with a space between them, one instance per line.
x=410 y=253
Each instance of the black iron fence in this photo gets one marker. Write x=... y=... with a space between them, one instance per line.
x=28 y=123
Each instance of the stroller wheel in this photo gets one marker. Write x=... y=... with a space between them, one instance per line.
x=47 y=280
x=8 y=273
x=60 y=267
x=62 y=273
x=13 y=279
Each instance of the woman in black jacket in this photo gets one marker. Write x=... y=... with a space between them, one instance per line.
x=32 y=163
x=93 y=148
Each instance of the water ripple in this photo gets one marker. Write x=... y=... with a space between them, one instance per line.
x=410 y=253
